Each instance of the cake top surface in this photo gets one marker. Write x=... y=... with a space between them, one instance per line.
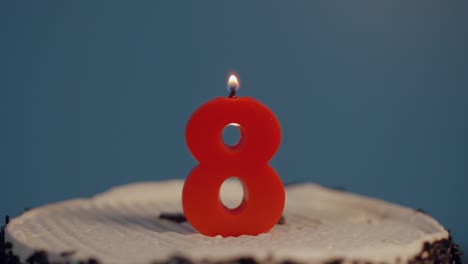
x=123 y=226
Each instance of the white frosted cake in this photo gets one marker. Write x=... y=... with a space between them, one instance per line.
x=143 y=223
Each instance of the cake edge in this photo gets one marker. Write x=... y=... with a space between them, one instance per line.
x=441 y=249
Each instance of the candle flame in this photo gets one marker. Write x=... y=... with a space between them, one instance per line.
x=233 y=83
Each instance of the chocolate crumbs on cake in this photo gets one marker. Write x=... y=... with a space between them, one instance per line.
x=419 y=210
x=174 y=217
x=442 y=251
x=89 y=261
x=39 y=257
x=175 y=260
x=335 y=261
x=6 y=253
x=68 y=253
x=281 y=221
x=180 y=218
x=243 y=261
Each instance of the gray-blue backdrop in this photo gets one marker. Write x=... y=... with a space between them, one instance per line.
x=372 y=96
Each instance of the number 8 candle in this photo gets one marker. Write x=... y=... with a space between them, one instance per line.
x=260 y=137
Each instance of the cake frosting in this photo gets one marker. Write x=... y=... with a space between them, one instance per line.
x=321 y=225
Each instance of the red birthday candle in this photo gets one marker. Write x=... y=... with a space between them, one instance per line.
x=260 y=137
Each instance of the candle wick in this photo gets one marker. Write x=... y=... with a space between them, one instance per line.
x=232 y=94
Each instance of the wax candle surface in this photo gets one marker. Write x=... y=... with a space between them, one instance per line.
x=264 y=196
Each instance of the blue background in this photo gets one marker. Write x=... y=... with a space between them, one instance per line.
x=372 y=96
